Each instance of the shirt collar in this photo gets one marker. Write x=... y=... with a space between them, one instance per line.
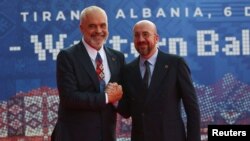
x=93 y=52
x=151 y=60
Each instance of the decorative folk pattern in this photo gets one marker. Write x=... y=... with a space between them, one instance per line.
x=31 y=116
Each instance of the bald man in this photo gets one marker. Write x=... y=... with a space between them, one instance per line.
x=154 y=86
x=86 y=111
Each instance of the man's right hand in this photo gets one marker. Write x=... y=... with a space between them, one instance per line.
x=114 y=92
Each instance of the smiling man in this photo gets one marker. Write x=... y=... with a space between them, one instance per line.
x=155 y=84
x=86 y=111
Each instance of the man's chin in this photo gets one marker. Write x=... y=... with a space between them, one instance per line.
x=98 y=43
x=143 y=53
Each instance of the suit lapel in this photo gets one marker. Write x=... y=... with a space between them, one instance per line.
x=112 y=60
x=160 y=70
x=135 y=74
x=136 y=70
x=86 y=62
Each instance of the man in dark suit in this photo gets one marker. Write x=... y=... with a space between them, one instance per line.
x=86 y=111
x=153 y=92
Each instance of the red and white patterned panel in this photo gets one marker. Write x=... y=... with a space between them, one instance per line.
x=3 y=119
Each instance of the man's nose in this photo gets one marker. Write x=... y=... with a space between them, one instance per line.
x=98 y=29
x=141 y=38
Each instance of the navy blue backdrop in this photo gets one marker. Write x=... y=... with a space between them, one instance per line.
x=213 y=37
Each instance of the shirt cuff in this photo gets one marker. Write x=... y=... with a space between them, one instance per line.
x=106 y=98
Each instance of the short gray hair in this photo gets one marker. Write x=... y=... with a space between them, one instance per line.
x=94 y=8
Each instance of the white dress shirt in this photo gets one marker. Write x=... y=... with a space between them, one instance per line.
x=93 y=53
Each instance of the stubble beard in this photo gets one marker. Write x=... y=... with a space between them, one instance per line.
x=98 y=41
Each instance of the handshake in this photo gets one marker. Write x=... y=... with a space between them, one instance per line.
x=114 y=92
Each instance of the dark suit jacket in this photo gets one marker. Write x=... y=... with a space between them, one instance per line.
x=83 y=114
x=156 y=111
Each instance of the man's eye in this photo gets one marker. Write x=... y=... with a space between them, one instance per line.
x=91 y=26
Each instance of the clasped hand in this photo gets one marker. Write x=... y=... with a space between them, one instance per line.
x=114 y=92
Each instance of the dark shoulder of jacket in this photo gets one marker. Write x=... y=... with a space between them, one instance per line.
x=178 y=61
x=133 y=63
x=119 y=54
x=171 y=58
x=72 y=48
x=69 y=52
x=114 y=51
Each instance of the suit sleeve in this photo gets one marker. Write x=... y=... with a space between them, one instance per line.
x=71 y=97
x=190 y=101
x=124 y=104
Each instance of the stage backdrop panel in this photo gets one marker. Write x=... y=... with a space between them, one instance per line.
x=213 y=36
